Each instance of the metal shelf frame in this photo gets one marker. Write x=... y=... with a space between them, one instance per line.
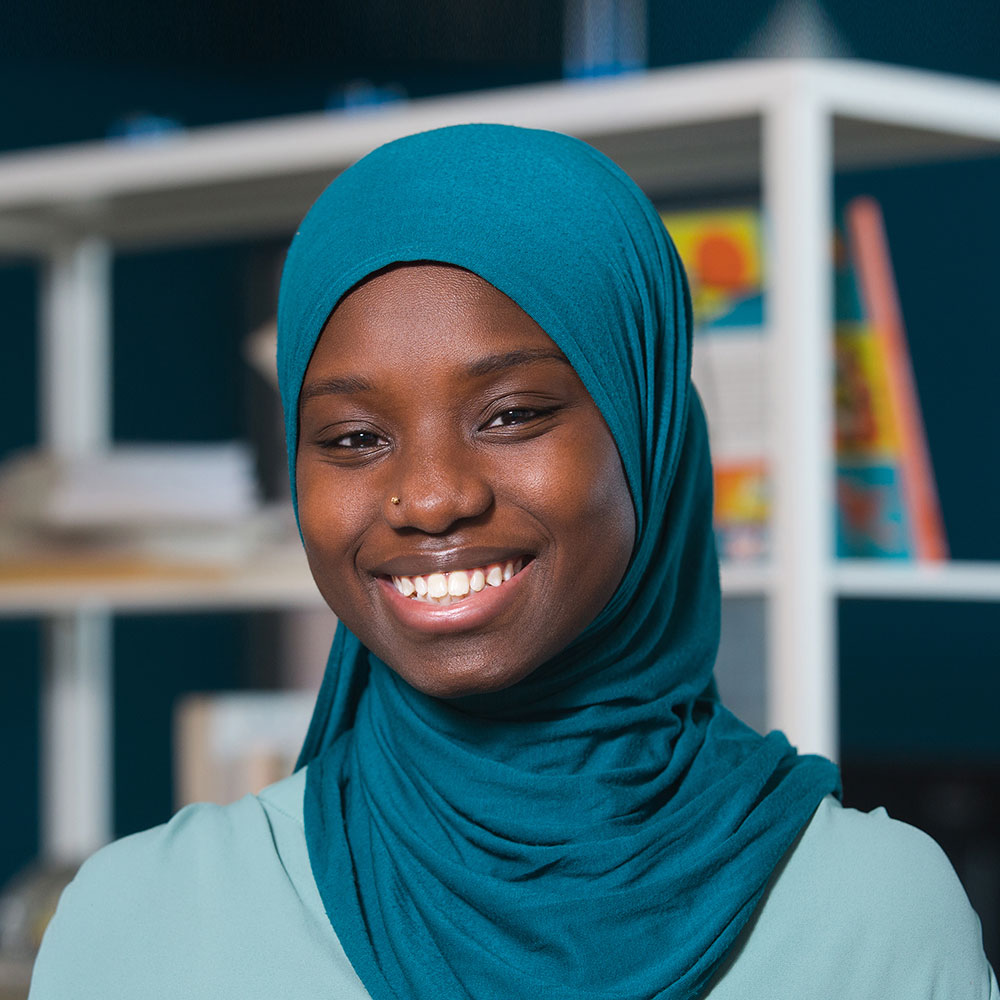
x=778 y=126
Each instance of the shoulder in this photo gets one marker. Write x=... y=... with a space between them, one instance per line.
x=201 y=844
x=869 y=906
x=893 y=874
x=219 y=885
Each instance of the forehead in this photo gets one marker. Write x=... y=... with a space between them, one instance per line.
x=426 y=311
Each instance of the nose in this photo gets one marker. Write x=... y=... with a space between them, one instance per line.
x=437 y=485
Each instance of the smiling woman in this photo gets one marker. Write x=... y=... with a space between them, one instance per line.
x=500 y=461
x=519 y=779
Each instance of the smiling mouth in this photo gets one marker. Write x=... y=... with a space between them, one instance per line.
x=442 y=589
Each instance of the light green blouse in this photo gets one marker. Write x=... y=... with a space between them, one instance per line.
x=220 y=902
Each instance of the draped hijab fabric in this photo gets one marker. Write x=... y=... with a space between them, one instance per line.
x=604 y=828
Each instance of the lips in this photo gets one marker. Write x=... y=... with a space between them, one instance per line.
x=423 y=562
x=447 y=588
x=457 y=599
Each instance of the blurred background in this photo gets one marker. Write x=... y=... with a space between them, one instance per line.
x=181 y=666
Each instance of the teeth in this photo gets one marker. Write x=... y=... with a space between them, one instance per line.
x=444 y=588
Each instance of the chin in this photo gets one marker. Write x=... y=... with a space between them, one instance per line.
x=462 y=678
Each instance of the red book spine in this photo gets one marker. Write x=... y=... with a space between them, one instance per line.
x=870 y=250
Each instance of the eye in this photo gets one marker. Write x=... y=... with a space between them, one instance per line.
x=517 y=415
x=357 y=441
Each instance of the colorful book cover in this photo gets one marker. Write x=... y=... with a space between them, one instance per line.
x=887 y=504
x=722 y=254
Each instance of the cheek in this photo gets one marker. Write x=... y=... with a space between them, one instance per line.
x=609 y=512
x=329 y=524
x=609 y=492
x=582 y=497
x=310 y=501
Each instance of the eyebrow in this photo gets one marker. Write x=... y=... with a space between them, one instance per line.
x=341 y=385
x=500 y=362
x=333 y=386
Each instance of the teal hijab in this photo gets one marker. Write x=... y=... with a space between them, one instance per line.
x=605 y=828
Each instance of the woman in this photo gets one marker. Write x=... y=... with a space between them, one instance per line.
x=519 y=779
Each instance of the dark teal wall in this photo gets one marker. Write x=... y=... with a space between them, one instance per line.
x=159 y=659
x=180 y=318
x=20 y=683
x=19 y=640
x=959 y=37
x=919 y=681
x=943 y=224
x=922 y=679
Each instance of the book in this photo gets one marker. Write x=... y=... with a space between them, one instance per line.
x=722 y=254
x=131 y=485
x=131 y=508
x=232 y=744
x=887 y=502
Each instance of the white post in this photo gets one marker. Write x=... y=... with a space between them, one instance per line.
x=76 y=732
x=798 y=185
x=75 y=320
x=75 y=419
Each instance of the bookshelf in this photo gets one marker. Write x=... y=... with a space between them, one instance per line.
x=778 y=126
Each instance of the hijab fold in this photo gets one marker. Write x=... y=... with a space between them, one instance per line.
x=604 y=828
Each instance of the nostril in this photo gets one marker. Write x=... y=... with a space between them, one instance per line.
x=434 y=506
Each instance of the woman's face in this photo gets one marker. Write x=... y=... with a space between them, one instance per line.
x=431 y=387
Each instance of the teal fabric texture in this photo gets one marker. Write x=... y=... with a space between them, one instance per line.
x=604 y=828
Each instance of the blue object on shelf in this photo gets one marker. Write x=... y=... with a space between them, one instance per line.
x=362 y=94
x=140 y=126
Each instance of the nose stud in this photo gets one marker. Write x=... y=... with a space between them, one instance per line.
x=394 y=501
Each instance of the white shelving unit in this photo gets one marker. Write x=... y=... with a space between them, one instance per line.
x=784 y=126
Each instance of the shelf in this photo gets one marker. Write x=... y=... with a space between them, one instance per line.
x=952 y=581
x=749 y=579
x=276 y=579
x=677 y=130
x=882 y=579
